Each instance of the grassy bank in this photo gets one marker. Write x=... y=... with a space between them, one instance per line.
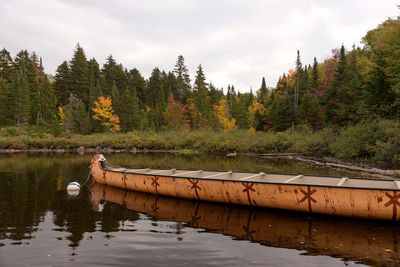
x=374 y=141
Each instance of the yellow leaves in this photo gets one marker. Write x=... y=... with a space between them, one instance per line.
x=61 y=115
x=251 y=130
x=222 y=113
x=253 y=109
x=103 y=112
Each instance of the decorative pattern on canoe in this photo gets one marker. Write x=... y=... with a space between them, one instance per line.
x=308 y=197
x=350 y=201
x=393 y=201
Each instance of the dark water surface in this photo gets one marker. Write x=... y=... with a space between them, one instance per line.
x=40 y=225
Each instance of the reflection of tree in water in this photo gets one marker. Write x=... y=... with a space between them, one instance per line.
x=33 y=185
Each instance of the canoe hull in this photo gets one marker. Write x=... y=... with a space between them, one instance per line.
x=350 y=202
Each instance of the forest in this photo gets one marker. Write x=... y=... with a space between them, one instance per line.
x=349 y=101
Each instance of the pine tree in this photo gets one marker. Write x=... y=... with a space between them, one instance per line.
x=113 y=73
x=136 y=81
x=214 y=94
x=378 y=95
x=263 y=92
x=62 y=83
x=94 y=91
x=333 y=114
x=298 y=88
x=81 y=119
x=183 y=80
x=154 y=86
x=315 y=77
x=6 y=66
x=309 y=110
x=158 y=111
x=350 y=105
x=80 y=85
x=4 y=112
x=128 y=111
x=20 y=99
x=200 y=92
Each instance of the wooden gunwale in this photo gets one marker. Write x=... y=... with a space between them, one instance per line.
x=131 y=171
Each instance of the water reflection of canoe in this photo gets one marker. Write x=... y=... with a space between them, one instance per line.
x=368 y=242
x=352 y=197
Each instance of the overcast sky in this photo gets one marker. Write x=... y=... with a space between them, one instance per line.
x=237 y=42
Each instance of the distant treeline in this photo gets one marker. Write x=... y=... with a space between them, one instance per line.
x=348 y=88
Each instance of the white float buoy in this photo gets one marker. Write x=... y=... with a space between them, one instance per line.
x=73 y=189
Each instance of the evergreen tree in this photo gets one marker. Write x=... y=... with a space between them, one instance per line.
x=298 y=88
x=350 y=105
x=378 y=95
x=6 y=66
x=315 y=77
x=138 y=84
x=81 y=120
x=183 y=80
x=94 y=91
x=263 y=92
x=333 y=114
x=200 y=92
x=48 y=104
x=113 y=73
x=128 y=111
x=309 y=110
x=154 y=87
x=4 y=111
x=62 y=83
x=79 y=67
x=158 y=111
x=20 y=99
x=214 y=94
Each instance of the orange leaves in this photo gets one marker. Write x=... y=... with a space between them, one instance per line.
x=256 y=106
x=103 y=112
x=175 y=114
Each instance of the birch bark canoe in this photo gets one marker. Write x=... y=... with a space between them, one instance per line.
x=351 y=197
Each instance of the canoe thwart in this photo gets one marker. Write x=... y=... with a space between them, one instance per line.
x=157 y=172
x=342 y=181
x=185 y=173
x=219 y=174
x=252 y=176
x=292 y=179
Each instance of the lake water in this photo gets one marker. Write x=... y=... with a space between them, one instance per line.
x=40 y=225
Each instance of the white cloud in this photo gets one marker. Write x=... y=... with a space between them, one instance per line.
x=237 y=42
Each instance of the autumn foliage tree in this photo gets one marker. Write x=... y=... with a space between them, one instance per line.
x=103 y=112
x=226 y=122
x=175 y=114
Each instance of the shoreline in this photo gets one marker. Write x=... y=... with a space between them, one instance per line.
x=353 y=166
